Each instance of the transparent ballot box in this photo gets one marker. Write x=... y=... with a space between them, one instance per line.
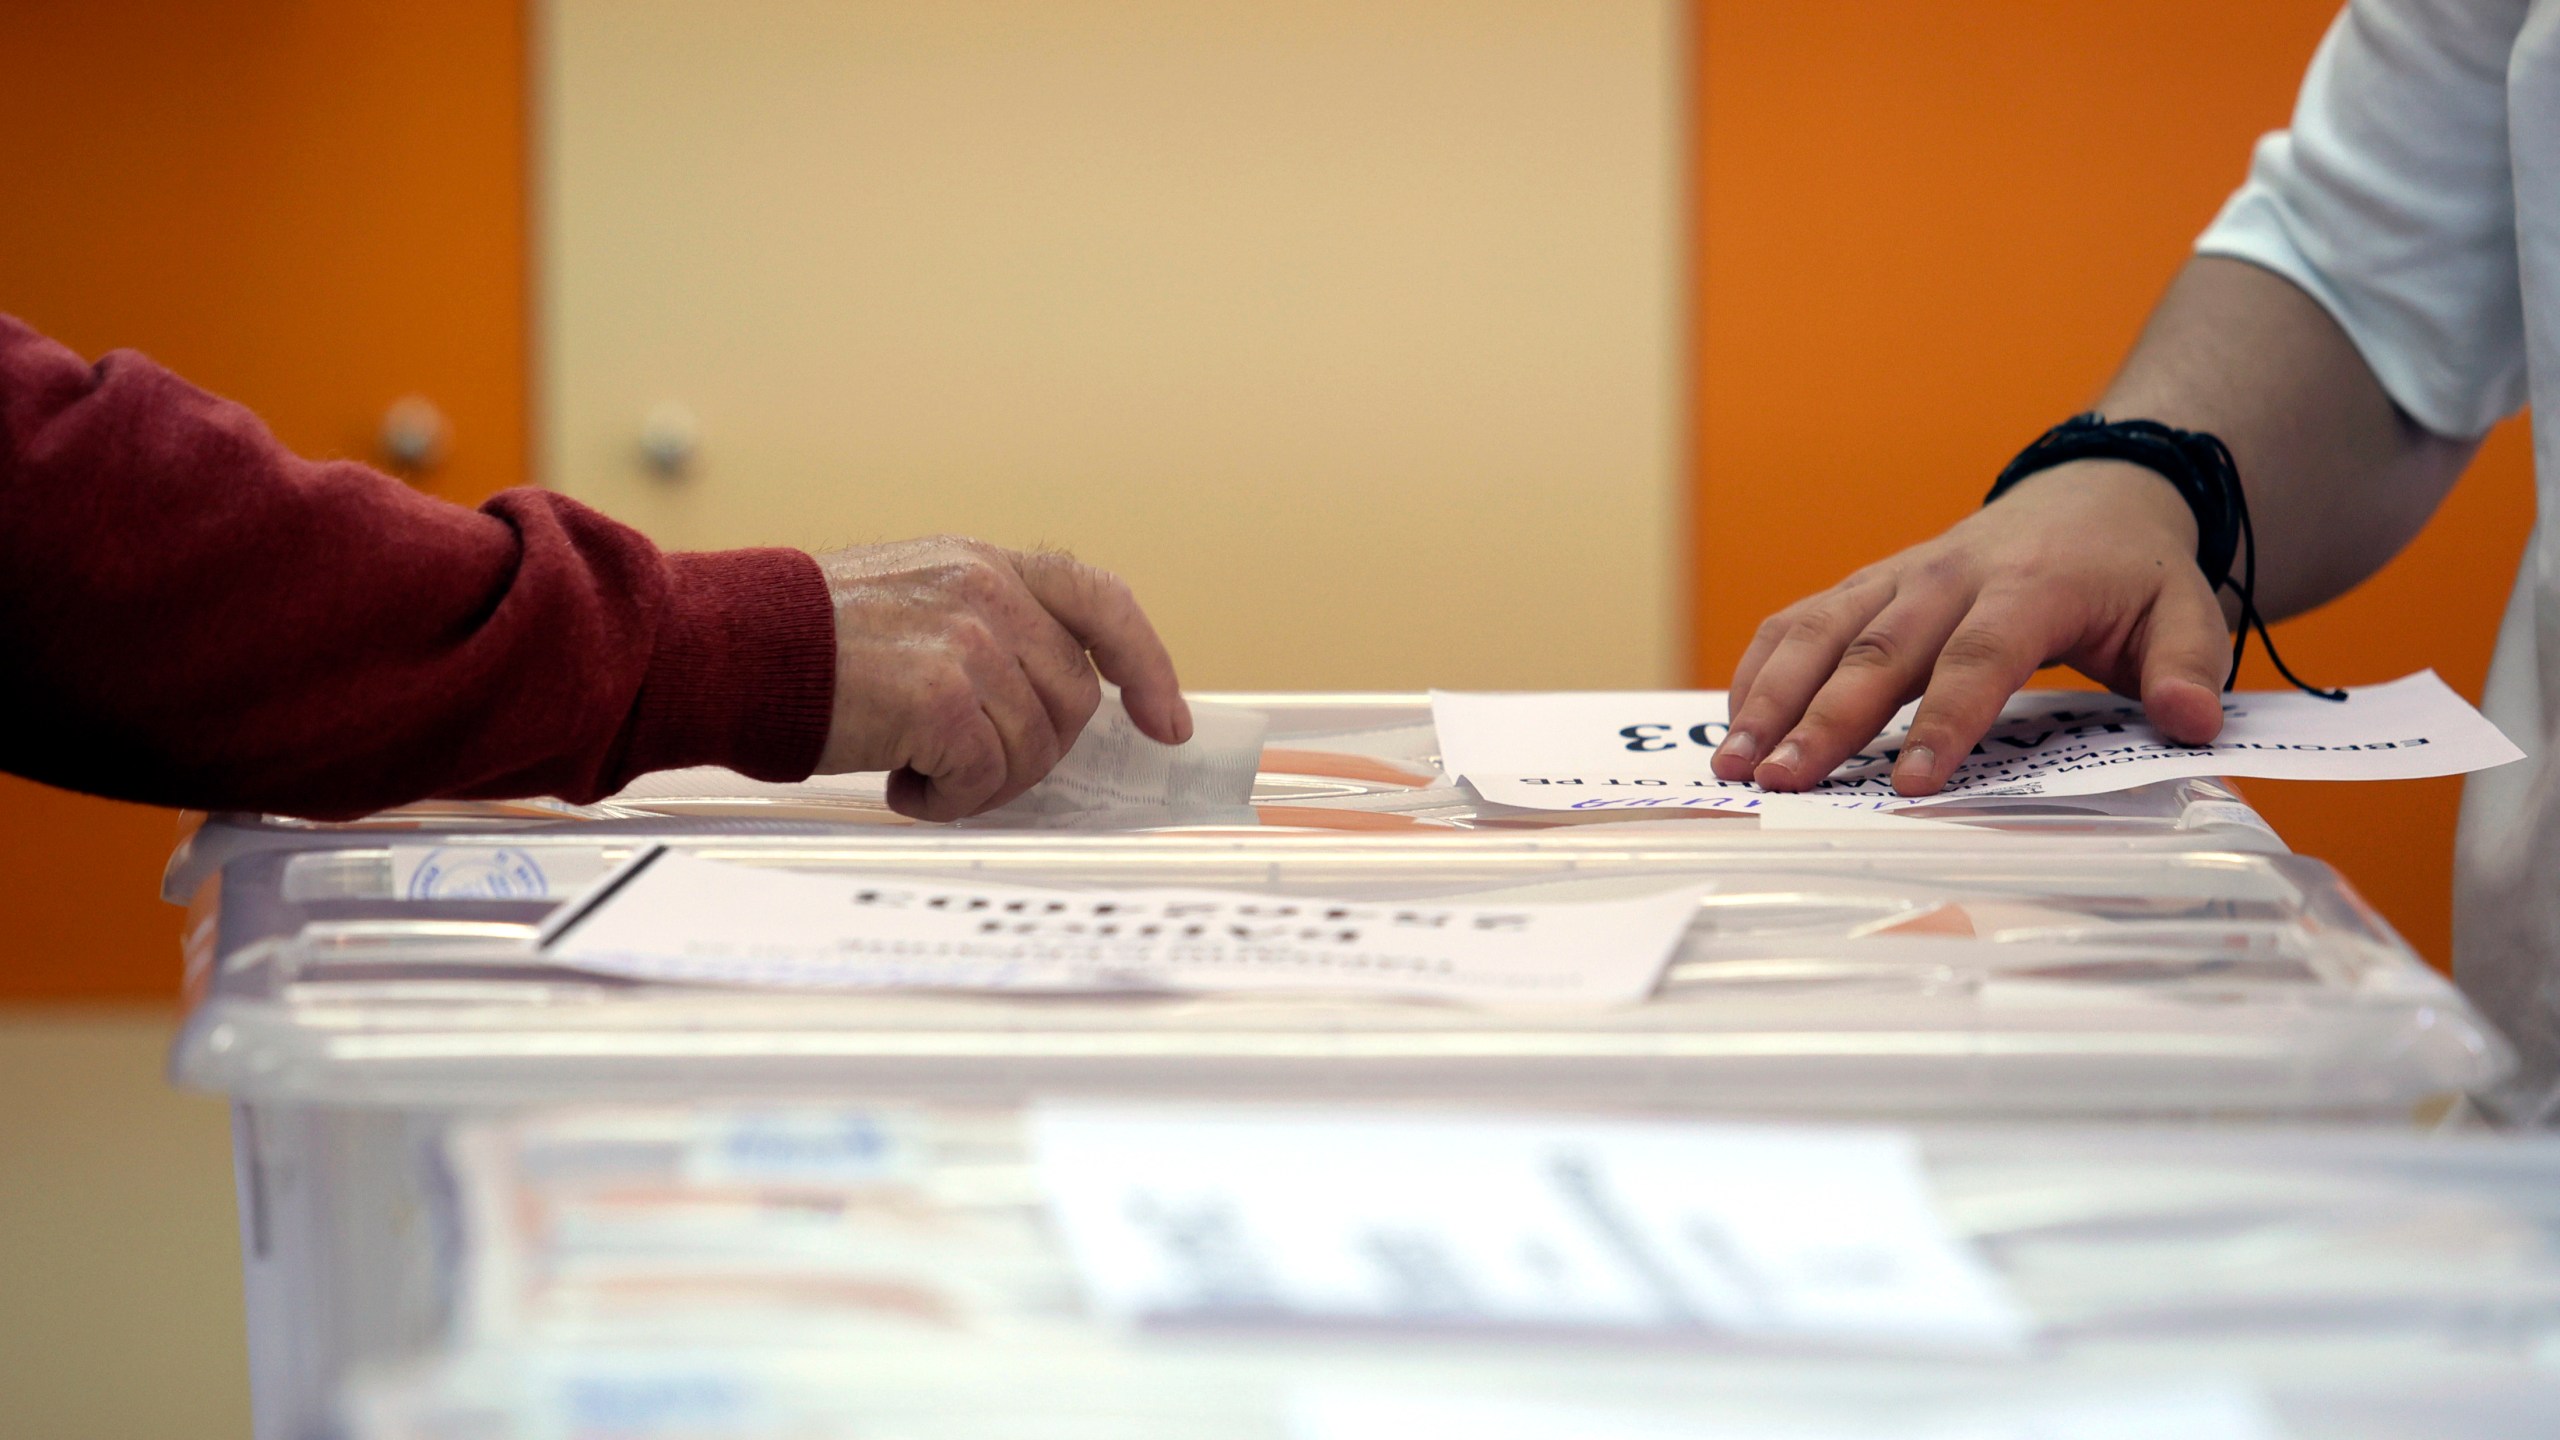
x=360 y=989
x=824 y=1270
x=1818 y=976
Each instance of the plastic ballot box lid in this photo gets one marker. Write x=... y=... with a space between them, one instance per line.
x=1817 y=975
x=840 y=1270
x=1329 y=763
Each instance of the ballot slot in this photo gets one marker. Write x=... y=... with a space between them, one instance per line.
x=1331 y=764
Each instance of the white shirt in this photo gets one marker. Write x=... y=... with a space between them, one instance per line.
x=2417 y=197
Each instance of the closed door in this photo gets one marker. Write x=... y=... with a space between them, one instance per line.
x=1347 y=331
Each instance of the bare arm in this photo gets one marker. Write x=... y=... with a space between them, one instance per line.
x=2338 y=479
x=2093 y=564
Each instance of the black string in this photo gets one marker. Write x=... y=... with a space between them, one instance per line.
x=2200 y=466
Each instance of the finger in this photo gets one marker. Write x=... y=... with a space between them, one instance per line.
x=2000 y=645
x=1884 y=667
x=1097 y=608
x=1023 y=727
x=1774 y=630
x=1060 y=675
x=1764 y=641
x=2186 y=656
x=1803 y=658
x=960 y=764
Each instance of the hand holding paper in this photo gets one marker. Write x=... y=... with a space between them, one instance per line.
x=1651 y=749
x=963 y=669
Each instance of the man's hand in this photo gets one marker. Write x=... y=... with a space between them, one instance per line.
x=2090 y=564
x=2093 y=563
x=962 y=668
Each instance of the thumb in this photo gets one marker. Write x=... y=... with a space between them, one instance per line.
x=2186 y=655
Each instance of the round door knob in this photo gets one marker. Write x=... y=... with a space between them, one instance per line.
x=415 y=436
x=669 y=438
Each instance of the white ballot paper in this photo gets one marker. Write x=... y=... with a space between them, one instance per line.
x=2212 y=1408
x=1602 y=750
x=1823 y=1236
x=671 y=916
x=1112 y=767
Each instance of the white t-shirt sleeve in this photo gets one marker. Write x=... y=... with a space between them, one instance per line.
x=2391 y=201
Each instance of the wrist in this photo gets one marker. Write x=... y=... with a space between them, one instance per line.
x=2129 y=494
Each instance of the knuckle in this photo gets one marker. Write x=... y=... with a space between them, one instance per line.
x=1881 y=572
x=1976 y=649
x=1938 y=571
x=970 y=638
x=1815 y=626
x=980 y=581
x=1874 y=648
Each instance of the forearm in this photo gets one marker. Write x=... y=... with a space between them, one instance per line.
x=2338 y=479
x=192 y=615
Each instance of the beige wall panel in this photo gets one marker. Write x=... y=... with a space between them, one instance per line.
x=1345 y=329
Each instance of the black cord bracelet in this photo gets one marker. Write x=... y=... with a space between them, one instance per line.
x=2201 y=468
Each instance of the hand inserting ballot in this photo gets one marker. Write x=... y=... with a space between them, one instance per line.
x=968 y=670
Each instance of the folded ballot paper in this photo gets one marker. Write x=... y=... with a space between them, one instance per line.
x=670 y=916
x=1112 y=769
x=1648 y=750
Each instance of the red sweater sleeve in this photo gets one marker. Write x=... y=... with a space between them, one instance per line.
x=192 y=615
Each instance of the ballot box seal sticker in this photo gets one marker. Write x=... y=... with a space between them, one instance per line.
x=783 y=1146
x=492 y=872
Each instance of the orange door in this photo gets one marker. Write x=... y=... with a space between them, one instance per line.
x=313 y=209
x=1924 y=232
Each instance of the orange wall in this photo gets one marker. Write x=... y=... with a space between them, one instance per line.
x=311 y=208
x=1921 y=233
x=1924 y=232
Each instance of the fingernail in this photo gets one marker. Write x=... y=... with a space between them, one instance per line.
x=1918 y=766
x=1786 y=757
x=1182 y=730
x=1740 y=745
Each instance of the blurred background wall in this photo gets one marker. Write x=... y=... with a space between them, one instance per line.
x=1348 y=332
x=1381 y=344
x=314 y=209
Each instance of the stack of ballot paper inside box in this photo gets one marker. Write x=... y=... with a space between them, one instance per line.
x=428 y=1018
x=1169 y=1270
